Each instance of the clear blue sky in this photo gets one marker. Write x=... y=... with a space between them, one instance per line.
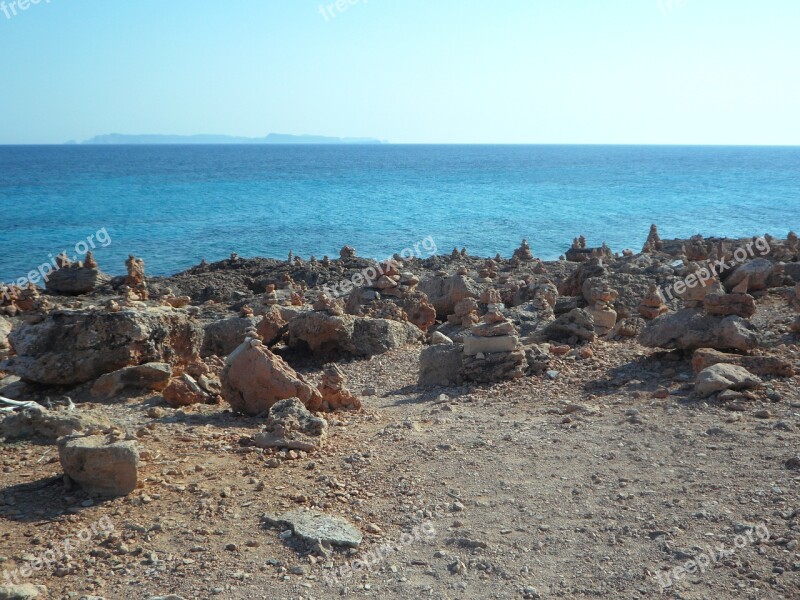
x=416 y=71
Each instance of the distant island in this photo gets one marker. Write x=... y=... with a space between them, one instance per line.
x=272 y=138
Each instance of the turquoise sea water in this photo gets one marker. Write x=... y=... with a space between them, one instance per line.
x=173 y=205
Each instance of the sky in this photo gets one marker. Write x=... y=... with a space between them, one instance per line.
x=405 y=71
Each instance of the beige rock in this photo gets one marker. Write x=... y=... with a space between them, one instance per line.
x=291 y=425
x=760 y=365
x=335 y=395
x=149 y=376
x=184 y=391
x=100 y=464
x=475 y=344
x=719 y=377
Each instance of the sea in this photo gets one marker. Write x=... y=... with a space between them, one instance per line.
x=176 y=205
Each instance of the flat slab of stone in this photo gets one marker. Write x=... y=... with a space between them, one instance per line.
x=474 y=344
x=314 y=526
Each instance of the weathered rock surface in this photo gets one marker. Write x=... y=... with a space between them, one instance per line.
x=254 y=379
x=224 y=336
x=5 y=328
x=335 y=396
x=318 y=528
x=719 y=377
x=495 y=367
x=577 y=323
x=25 y=591
x=184 y=391
x=760 y=365
x=291 y=425
x=74 y=280
x=440 y=365
x=325 y=334
x=149 y=376
x=101 y=465
x=760 y=273
x=474 y=344
x=49 y=425
x=73 y=347
x=445 y=292
x=742 y=305
x=690 y=328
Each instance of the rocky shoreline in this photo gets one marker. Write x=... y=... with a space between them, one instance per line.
x=261 y=371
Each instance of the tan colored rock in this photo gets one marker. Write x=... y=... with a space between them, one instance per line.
x=653 y=243
x=742 y=305
x=421 y=312
x=135 y=278
x=291 y=425
x=603 y=316
x=101 y=465
x=178 y=301
x=150 y=376
x=184 y=391
x=760 y=365
x=652 y=305
x=254 y=379
x=335 y=396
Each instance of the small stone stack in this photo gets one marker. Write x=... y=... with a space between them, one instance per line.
x=270 y=296
x=333 y=307
x=488 y=272
x=653 y=243
x=601 y=299
x=466 y=313
x=492 y=350
x=653 y=304
x=347 y=252
x=335 y=396
x=523 y=253
x=135 y=287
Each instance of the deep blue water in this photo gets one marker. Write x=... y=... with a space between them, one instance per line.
x=173 y=205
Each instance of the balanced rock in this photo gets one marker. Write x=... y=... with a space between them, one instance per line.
x=100 y=464
x=335 y=395
x=652 y=306
x=73 y=347
x=291 y=425
x=691 y=328
x=719 y=377
x=254 y=379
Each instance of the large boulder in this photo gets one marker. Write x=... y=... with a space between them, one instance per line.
x=291 y=425
x=720 y=377
x=99 y=464
x=691 y=328
x=146 y=377
x=760 y=274
x=440 y=365
x=73 y=347
x=325 y=334
x=742 y=305
x=445 y=292
x=577 y=323
x=223 y=337
x=254 y=379
x=74 y=280
x=39 y=423
x=495 y=367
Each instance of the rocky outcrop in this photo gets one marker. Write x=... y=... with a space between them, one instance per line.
x=146 y=377
x=75 y=280
x=760 y=365
x=291 y=425
x=254 y=379
x=39 y=423
x=691 y=328
x=73 y=347
x=102 y=465
x=720 y=377
x=574 y=326
x=325 y=334
x=445 y=292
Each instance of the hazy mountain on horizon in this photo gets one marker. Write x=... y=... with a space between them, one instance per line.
x=272 y=138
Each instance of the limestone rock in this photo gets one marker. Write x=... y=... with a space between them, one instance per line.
x=474 y=344
x=760 y=365
x=5 y=329
x=335 y=395
x=75 y=280
x=149 y=376
x=445 y=292
x=495 y=367
x=254 y=379
x=760 y=273
x=437 y=337
x=719 y=377
x=73 y=347
x=25 y=591
x=742 y=305
x=291 y=425
x=440 y=365
x=652 y=306
x=537 y=358
x=318 y=528
x=577 y=323
x=101 y=465
x=596 y=289
x=690 y=328
x=184 y=391
x=49 y=425
x=223 y=337
x=653 y=243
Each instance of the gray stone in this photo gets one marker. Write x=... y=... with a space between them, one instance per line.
x=440 y=365
x=74 y=281
x=691 y=328
x=100 y=465
x=26 y=591
x=445 y=292
x=223 y=337
x=49 y=425
x=722 y=376
x=438 y=337
x=291 y=425
x=317 y=527
x=576 y=323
